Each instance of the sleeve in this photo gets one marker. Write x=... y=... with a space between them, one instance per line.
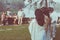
x=30 y=28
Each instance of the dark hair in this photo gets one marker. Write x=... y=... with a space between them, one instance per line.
x=46 y=12
x=39 y=17
x=51 y=9
x=39 y=13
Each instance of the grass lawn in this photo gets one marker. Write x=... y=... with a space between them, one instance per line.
x=19 y=33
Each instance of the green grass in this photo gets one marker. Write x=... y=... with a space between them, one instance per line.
x=18 y=33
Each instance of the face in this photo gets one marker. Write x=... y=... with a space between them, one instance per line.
x=47 y=19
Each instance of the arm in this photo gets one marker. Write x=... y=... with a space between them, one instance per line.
x=30 y=28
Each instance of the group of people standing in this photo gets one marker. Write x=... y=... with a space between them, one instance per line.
x=17 y=17
x=41 y=28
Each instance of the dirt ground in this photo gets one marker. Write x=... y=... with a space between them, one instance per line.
x=57 y=34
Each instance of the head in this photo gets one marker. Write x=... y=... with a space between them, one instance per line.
x=39 y=13
x=46 y=12
x=20 y=8
x=39 y=17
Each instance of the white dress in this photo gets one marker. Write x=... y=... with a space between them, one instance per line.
x=54 y=15
x=37 y=32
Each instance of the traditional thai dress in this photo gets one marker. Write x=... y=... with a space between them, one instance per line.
x=37 y=32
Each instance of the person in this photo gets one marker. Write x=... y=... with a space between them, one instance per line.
x=8 y=12
x=38 y=26
x=20 y=16
x=48 y=22
x=54 y=17
x=3 y=18
x=15 y=18
x=58 y=21
x=26 y=3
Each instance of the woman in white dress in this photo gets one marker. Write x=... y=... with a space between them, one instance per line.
x=37 y=27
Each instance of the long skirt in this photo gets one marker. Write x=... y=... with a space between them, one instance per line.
x=37 y=33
